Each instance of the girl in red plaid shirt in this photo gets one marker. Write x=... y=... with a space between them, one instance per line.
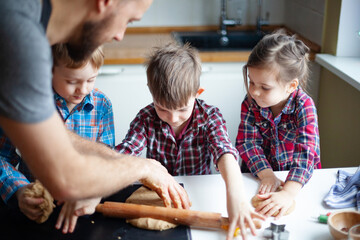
x=279 y=127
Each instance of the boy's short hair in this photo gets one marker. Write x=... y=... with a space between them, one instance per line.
x=61 y=55
x=173 y=74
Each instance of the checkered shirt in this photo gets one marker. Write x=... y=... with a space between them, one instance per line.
x=204 y=141
x=288 y=142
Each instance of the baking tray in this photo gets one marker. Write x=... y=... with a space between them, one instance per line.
x=15 y=226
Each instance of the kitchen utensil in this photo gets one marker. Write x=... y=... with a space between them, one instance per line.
x=340 y=222
x=178 y=216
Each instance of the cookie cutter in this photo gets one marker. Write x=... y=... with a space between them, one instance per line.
x=276 y=232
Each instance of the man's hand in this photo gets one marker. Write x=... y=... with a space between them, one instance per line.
x=71 y=210
x=29 y=205
x=269 y=182
x=159 y=180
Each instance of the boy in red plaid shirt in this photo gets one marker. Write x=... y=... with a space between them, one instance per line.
x=279 y=128
x=183 y=132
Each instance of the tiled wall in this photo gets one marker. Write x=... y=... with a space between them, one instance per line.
x=207 y=12
x=306 y=18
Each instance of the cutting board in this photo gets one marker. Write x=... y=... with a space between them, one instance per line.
x=15 y=226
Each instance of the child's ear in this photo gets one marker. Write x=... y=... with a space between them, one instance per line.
x=293 y=85
x=199 y=92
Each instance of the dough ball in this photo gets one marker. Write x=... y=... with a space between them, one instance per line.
x=255 y=201
x=146 y=196
x=38 y=191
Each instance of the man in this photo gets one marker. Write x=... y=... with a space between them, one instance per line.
x=70 y=167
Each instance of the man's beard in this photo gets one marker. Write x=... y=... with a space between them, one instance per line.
x=89 y=40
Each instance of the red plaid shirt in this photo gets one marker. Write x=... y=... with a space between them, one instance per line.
x=288 y=142
x=205 y=140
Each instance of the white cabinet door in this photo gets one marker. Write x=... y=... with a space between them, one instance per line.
x=126 y=87
x=224 y=88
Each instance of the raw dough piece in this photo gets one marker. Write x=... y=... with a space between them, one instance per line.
x=146 y=196
x=255 y=201
x=38 y=190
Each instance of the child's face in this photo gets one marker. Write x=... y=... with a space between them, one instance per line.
x=266 y=90
x=74 y=84
x=176 y=118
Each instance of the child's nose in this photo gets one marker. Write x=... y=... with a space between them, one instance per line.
x=256 y=92
x=82 y=89
x=174 y=117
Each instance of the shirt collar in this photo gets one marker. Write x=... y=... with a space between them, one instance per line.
x=86 y=104
x=290 y=104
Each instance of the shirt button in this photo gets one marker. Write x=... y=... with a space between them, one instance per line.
x=264 y=125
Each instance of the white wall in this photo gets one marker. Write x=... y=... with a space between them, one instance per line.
x=207 y=12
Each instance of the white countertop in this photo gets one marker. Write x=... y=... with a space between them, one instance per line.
x=346 y=68
x=207 y=193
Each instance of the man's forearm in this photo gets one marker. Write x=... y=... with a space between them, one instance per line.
x=88 y=147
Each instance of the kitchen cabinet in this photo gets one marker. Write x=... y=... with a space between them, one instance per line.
x=126 y=87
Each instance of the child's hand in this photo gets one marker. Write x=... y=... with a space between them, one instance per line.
x=71 y=210
x=29 y=206
x=241 y=215
x=269 y=182
x=276 y=201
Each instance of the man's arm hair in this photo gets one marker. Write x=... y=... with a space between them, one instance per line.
x=87 y=147
x=66 y=171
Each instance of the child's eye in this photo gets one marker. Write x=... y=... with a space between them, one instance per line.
x=71 y=82
x=266 y=89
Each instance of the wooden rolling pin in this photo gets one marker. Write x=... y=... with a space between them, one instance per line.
x=177 y=216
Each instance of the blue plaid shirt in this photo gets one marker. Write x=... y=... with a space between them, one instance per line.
x=92 y=119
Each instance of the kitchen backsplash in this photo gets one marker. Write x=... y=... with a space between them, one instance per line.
x=302 y=16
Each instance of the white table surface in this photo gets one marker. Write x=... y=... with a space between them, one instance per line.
x=207 y=193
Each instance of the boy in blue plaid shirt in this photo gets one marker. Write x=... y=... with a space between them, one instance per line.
x=85 y=111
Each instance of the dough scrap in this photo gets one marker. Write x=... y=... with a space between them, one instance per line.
x=39 y=191
x=146 y=196
x=255 y=201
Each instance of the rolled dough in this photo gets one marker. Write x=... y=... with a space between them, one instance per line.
x=255 y=201
x=38 y=191
x=146 y=196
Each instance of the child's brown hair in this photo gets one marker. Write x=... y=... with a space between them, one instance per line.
x=282 y=52
x=61 y=55
x=173 y=74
